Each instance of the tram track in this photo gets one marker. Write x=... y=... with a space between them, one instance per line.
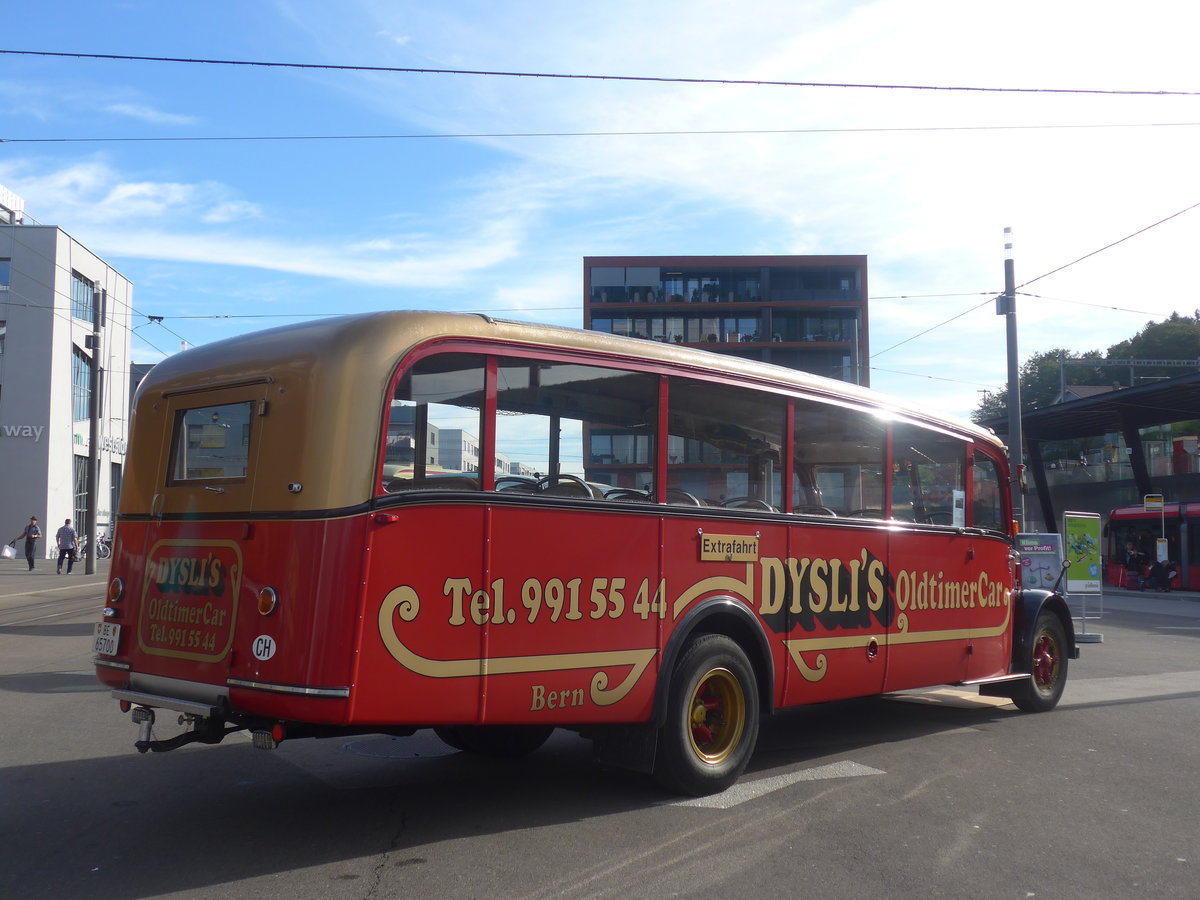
x=37 y=609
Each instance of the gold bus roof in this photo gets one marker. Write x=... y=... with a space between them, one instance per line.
x=326 y=381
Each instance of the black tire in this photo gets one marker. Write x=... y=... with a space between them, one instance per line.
x=1046 y=659
x=499 y=741
x=712 y=718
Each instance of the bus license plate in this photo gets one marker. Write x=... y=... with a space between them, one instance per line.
x=105 y=641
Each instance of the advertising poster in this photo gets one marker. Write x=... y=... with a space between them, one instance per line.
x=1082 y=533
x=1041 y=559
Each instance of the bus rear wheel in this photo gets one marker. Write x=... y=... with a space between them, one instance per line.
x=1047 y=662
x=501 y=741
x=712 y=718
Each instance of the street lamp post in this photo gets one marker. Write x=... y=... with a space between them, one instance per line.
x=1006 y=305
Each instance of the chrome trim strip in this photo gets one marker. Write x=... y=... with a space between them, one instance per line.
x=110 y=664
x=296 y=689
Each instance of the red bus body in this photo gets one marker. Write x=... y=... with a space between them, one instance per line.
x=1178 y=522
x=301 y=597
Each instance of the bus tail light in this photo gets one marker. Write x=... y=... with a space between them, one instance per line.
x=268 y=599
x=116 y=590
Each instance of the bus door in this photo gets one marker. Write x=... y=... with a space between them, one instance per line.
x=195 y=553
x=837 y=602
x=929 y=559
x=991 y=570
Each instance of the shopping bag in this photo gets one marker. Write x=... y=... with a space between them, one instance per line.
x=9 y=551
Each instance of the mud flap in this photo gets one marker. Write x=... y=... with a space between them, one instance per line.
x=628 y=747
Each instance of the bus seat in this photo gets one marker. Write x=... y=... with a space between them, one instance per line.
x=572 y=489
x=447 y=483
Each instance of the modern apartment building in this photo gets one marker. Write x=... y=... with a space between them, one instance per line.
x=804 y=312
x=65 y=326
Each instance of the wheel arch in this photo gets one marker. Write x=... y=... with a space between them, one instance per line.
x=1029 y=605
x=732 y=618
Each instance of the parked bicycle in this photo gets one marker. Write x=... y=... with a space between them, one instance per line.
x=103 y=546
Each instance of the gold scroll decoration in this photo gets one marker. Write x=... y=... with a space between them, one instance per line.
x=405 y=603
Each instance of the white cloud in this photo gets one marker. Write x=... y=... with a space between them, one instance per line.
x=149 y=114
x=232 y=211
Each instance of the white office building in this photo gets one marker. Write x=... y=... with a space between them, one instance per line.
x=65 y=326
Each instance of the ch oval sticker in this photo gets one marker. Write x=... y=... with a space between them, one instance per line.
x=264 y=647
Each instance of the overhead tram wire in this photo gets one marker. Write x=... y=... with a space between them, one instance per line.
x=931 y=377
x=1108 y=306
x=914 y=129
x=933 y=327
x=1109 y=246
x=410 y=70
x=1048 y=274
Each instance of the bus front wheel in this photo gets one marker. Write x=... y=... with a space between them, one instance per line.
x=712 y=718
x=1047 y=662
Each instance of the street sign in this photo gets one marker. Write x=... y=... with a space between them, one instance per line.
x=1153 y=502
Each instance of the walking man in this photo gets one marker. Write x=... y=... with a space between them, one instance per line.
x=30 y=533
x=68 y=545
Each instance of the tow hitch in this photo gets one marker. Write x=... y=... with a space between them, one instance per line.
x=201 y=729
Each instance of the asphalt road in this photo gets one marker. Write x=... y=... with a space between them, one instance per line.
x=934 y=793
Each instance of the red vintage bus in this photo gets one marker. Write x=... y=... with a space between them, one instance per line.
x=386 y=522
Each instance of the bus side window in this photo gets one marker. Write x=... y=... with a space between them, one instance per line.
x=432 y=440
x=577 y=431
x=724 y=446
x=928 y=476
x=838 y=461
x=987 y=505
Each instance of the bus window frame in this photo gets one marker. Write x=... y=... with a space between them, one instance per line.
x=492 y=351
x=250 y=394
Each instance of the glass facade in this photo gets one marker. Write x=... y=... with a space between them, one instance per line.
x=808 y=316
x=771 y=284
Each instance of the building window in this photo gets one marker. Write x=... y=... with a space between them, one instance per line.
x=3 y=332
x=5 y=273
x=114 y=487
x=83 y=518
x=83 y=294
x=81 y=384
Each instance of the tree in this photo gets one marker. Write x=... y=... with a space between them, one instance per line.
x=1178 y=337
x=1041 y=382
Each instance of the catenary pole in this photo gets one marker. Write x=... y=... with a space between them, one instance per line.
x=1015 y=442
x=93 y=470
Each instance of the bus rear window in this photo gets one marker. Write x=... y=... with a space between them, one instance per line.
x=211 y=443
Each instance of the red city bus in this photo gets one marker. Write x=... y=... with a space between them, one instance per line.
x=1133 y=527
x=387 y=522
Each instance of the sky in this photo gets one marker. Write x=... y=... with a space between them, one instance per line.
x=489 y=190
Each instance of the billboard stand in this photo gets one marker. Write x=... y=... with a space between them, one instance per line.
x=1081 y=566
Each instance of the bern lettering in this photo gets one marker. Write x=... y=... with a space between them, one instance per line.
x=561 y=699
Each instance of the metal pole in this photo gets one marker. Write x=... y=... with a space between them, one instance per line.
x=89 y=563
x=1015 y=441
